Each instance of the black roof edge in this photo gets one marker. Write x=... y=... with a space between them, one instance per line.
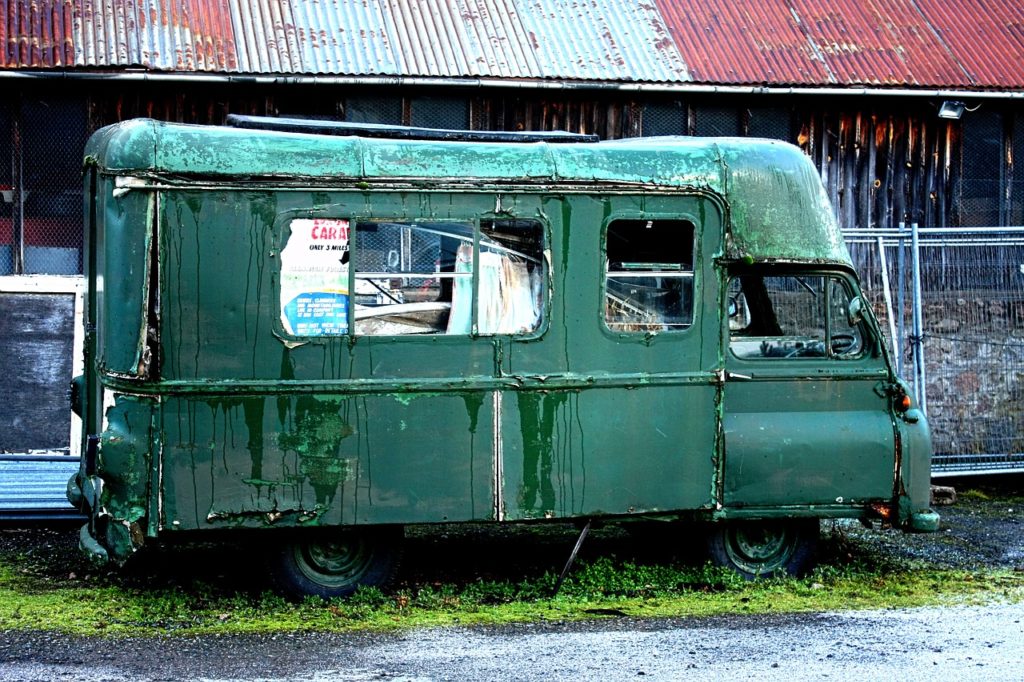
x=323 y=127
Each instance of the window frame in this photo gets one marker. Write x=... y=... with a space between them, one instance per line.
x=830 y=279
x=352 y=276
x=692 y=274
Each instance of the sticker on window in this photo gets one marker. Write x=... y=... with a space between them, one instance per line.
x=314 y=277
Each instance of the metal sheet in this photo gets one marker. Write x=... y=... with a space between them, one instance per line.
x=915 y=43
x=338 y=38
x=910 y=43
x=188 y=35
x=36 y=34
x=726 y=42
x=35 y=483
x=986 y=37
x=609 y=40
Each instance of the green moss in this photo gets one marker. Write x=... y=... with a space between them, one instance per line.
x=600 y=589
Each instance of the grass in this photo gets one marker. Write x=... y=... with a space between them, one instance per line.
x=38 y=591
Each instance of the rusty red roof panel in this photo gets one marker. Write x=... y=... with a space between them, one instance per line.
x=906 y=43
x=36 y=34
x=749 y=42
x=986 y=37
x=876 y=42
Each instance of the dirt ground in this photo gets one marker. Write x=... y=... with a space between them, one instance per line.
x=983 y=529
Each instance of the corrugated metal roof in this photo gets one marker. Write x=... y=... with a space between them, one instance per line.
x=729 y=42
x=601 y=40
x=915 y=43
x=172 y=35
x=457 y=38
x=986 y=38
x=351 y=38
x=960 y=44
x=36 y=34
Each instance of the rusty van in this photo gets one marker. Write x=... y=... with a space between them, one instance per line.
x=321 y=334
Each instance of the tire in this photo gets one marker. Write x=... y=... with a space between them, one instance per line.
x=764 y=549
x=337 y=564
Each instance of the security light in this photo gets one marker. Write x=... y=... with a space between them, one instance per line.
x=952 y=109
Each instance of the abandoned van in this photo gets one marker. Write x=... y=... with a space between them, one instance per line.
x=321 y=334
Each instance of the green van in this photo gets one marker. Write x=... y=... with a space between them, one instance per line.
x=321 y=334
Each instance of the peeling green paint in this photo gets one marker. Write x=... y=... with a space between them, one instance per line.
x=316 y=439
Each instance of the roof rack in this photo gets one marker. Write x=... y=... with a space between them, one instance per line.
x=322 y=127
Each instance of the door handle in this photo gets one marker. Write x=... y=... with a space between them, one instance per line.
x=723 y=375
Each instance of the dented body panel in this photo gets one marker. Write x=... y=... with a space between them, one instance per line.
x=213 y=412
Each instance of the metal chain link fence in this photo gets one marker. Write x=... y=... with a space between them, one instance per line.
x=663 y=118
x=964 y=356
x=40 y=185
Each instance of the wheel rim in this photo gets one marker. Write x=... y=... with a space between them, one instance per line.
x=761 y=548
x=339 y=563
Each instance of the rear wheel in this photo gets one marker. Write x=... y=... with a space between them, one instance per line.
x=764 y=549
x=338 y=564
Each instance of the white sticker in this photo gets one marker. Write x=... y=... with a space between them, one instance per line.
x=314 y=277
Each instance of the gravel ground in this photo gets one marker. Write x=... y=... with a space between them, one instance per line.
x=976 y=532
x=981 y=643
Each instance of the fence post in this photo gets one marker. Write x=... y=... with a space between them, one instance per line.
x=918 y=339
x=18 y=185
x=901 y=298
x=890 y=314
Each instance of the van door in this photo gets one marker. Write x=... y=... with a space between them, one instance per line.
x=804 y=415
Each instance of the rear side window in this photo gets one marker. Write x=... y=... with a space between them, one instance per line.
x=413 y=277
x=649 y=275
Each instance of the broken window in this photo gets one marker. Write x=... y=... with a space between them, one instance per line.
x=649 y=275
x=443 y=277
x=405 y=274
x=793 y=316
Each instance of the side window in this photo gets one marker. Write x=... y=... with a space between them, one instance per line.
x=649 y=275
x=513 y=279
x=792 y=316
x=406 y=275
x=412 y=277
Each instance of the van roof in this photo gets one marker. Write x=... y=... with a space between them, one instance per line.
x=777 y=207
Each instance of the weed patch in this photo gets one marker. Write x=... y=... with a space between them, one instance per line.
x=495 y=575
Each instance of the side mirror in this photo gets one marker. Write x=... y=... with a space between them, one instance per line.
x=739 y=313
x=855 y=311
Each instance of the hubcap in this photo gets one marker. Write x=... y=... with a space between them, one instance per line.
x=334 y=564
x=760 y=548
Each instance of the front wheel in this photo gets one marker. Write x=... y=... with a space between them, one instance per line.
x=764 y=549
x=338 y=564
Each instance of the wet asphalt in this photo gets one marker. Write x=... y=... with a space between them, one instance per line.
x=950 y=643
